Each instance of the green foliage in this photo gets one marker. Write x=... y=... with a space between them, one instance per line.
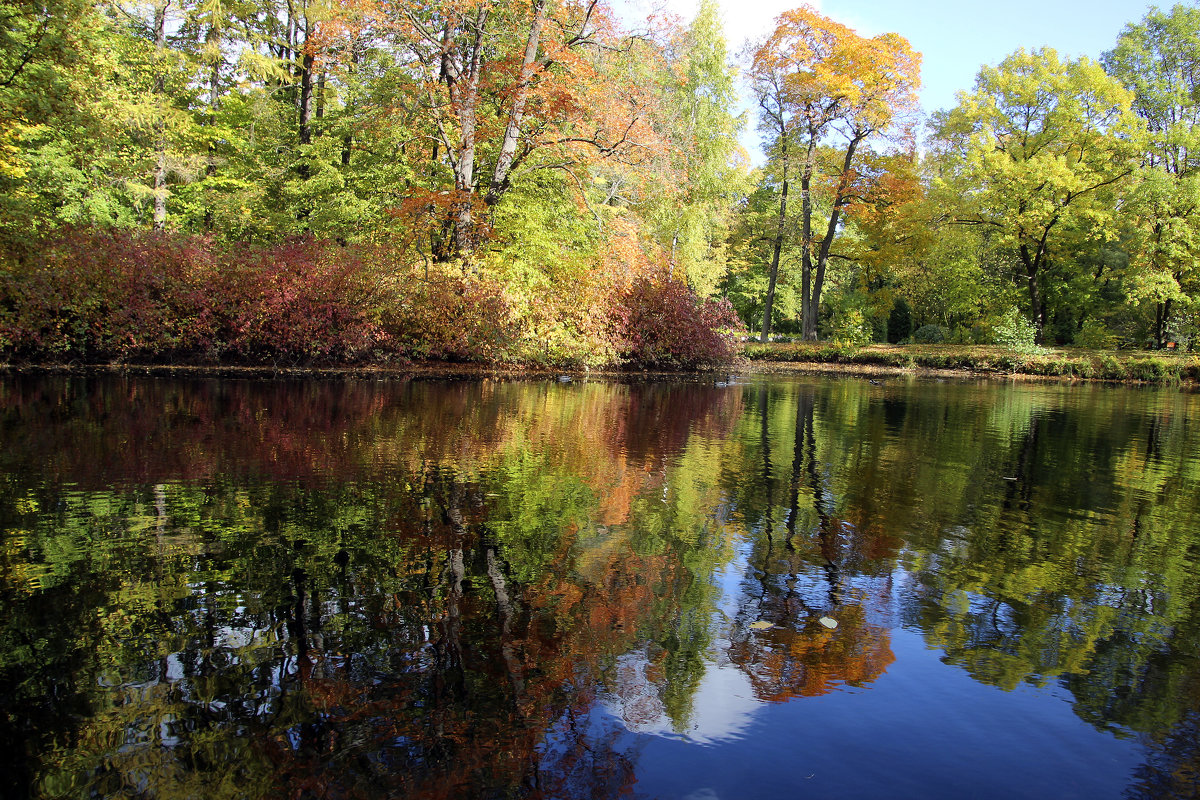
x=849 y=325
x=688 y=205
x=930 y=334
x=1158 y=60
x=1015 y=332
x=1036 y=153
x=1094 y=335
x=1153 y=370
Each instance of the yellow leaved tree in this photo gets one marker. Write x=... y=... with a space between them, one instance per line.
x=816 y=82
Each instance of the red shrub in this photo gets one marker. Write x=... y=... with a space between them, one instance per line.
x=445 y=314
x=102 y=295
x=664 y=324
x=302 y=300
x=123 y=295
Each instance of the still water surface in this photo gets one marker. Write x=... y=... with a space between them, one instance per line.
x=768 y=589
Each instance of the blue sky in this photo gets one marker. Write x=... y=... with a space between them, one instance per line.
x=955 y=38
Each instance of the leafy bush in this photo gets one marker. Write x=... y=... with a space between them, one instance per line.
x=930 y=334
x=1095 y=336
x=1108 y=367
x=301 y=300
x=664 y=324
x=445 y=314
x=120 y=295
x=1153 y=369
x=1015 y=332
x=109 y=295
x=851 y=327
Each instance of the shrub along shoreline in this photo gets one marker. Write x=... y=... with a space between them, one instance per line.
x=120 y=297
x=160 y=303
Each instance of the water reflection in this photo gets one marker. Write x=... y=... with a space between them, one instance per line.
x=345 y=589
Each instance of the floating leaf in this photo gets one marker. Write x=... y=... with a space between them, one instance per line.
x=829 y=622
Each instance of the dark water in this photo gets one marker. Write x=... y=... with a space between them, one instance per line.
x=383 y=589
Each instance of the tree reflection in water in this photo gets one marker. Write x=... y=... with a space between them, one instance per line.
x=780 y=641
x=364 y=589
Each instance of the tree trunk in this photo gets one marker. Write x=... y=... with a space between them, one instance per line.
x=1162 y=316
x=777 y=247
x=304 y=129
x=508 y=146
x=304 y=126
x=160 y=164
x=320 y=102
x=214 y=85
x=348 y=139
x=1032 y=264
x=467 y=96
x=814 y=301
x=806 y=235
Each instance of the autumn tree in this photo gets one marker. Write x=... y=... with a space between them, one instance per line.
x=537 y=85
x=1035 y=152
x=890 y=228
x=1158 y=60
x=700 y=171
x=816 y=80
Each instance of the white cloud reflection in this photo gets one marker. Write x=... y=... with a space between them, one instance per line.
x=723 y=705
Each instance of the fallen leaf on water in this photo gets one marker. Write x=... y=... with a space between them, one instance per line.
x=761 y=625
x=829 y=622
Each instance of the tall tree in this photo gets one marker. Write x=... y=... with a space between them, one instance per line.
x=1159 y=61
x=1033 y=150
x=689 y=205
x=814 y=79
x=500 y=85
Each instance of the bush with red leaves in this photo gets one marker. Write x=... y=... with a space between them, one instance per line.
x=97 y=296
x=663 y=324
x=125 y=296
x=143 y=296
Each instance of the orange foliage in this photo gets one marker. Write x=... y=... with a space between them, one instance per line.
x=507 y=89
x=829 y=72
x=806 y=659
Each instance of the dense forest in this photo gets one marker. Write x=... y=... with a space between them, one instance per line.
x=541 y=183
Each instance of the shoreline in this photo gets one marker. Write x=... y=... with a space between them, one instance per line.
x=440 y=370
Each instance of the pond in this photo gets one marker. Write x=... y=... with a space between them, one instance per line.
x=742 y=588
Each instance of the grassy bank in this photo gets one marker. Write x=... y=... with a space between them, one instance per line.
x=1104 y=365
